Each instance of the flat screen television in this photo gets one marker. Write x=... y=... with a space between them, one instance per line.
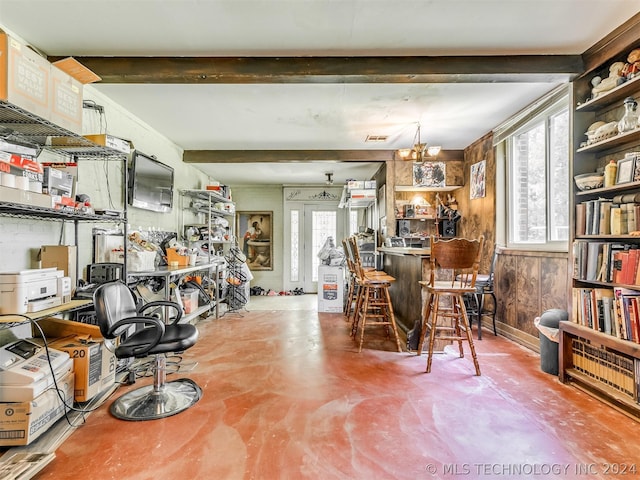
x=150 y=184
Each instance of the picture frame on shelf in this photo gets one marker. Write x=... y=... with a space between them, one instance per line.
x=636 y=165
x=626 y=170
x=255 y=238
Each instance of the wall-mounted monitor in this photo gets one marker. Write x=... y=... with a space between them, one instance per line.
x=150 y=184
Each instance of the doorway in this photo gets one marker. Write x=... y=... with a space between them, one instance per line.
x=309 y=226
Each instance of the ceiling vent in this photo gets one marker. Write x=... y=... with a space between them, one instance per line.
x=377 y=138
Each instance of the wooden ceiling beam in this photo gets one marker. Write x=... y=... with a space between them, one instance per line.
x=294 y=156
x=256 y=70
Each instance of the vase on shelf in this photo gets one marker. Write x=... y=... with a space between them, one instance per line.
x=629 y=120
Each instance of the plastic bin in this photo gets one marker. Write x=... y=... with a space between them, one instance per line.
x=548 y=325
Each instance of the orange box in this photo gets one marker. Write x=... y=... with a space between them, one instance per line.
x=24 y=77
x=174 y=256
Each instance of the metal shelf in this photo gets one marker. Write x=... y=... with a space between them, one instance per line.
x=206 y=195
x=18 y=124
x=213 y=211
x=18 y=210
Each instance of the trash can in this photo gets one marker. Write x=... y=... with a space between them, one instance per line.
x=548 y=325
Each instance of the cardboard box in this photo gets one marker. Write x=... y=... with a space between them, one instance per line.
x=66 y=101
x=23 y=197
x=110 y=141
x=21 y=166
x=63 y=257
x=330 y=288
x=58 y=182
x=94 y=365
x=24 y=77
x=23 y=422
x=57 y=328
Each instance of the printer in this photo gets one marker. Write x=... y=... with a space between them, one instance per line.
x=30 y=290
x=28 y=369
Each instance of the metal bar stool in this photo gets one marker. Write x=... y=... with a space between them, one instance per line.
x=373 y=303
x=455 y=263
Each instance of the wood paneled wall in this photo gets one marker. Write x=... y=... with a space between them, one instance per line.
x=526 y=282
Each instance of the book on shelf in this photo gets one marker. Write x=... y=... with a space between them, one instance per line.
x=618 y=220
x=594 y=260
x=628 y=313
x=593 y=308
x=612 y=311
x=581 y=218
x=605 y=217
x=609 y=262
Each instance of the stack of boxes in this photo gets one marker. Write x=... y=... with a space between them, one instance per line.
x=31 y=83
x=94 y=369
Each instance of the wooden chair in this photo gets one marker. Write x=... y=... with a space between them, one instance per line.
x=373 y=302
x=352 y=290
x=455 y=264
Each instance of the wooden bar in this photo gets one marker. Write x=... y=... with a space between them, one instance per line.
x=408 y=266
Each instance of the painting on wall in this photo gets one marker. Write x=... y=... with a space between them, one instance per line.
x=255 y=238
x=429 y=174
x=477 y=184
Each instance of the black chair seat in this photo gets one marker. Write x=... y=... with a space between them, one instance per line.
x=176 y=338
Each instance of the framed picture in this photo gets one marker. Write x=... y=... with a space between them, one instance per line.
x=255 y=238
x=478 y=174
x=625 y=170
x=636 y=165
x=429 y=174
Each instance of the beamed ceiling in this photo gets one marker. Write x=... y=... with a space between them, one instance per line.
x=273 y=85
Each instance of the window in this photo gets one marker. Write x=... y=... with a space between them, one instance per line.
x=538 y=180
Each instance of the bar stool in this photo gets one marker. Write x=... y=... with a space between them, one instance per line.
x=373 y=302
x=352 y=290
x=455 y=263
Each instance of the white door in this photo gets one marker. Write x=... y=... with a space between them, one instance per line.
x=319 y=223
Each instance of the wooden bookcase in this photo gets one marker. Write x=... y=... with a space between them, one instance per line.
x=600 y=363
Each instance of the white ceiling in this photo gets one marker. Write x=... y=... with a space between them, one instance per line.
x=329 y=116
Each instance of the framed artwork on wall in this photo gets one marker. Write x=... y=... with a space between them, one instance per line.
x=429 y=174
x=477 y=184
x=255 y=238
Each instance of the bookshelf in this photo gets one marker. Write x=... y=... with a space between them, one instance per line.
x=600 y=344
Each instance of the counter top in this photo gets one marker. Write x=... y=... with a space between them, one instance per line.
x=419 y=252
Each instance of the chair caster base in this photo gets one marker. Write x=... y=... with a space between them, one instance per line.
x=147 y=404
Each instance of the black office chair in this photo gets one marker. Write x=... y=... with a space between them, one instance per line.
x=116 y=314
x=476 y=301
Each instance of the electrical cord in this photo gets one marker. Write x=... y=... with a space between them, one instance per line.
x=58 y=390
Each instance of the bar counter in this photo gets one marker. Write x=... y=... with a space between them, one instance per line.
x=409 y=266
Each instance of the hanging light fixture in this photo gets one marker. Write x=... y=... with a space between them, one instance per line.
x=419 y=152
x=329 y=180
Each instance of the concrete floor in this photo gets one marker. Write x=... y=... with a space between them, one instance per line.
x=287 y=396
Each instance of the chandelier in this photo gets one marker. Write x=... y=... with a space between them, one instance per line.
x=419 y=152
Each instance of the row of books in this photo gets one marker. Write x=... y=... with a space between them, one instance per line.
x=616 y=370
x=610 y=262
x=617 y=216
x=613 y=311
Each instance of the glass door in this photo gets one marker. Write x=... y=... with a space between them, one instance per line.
x=320 y=222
